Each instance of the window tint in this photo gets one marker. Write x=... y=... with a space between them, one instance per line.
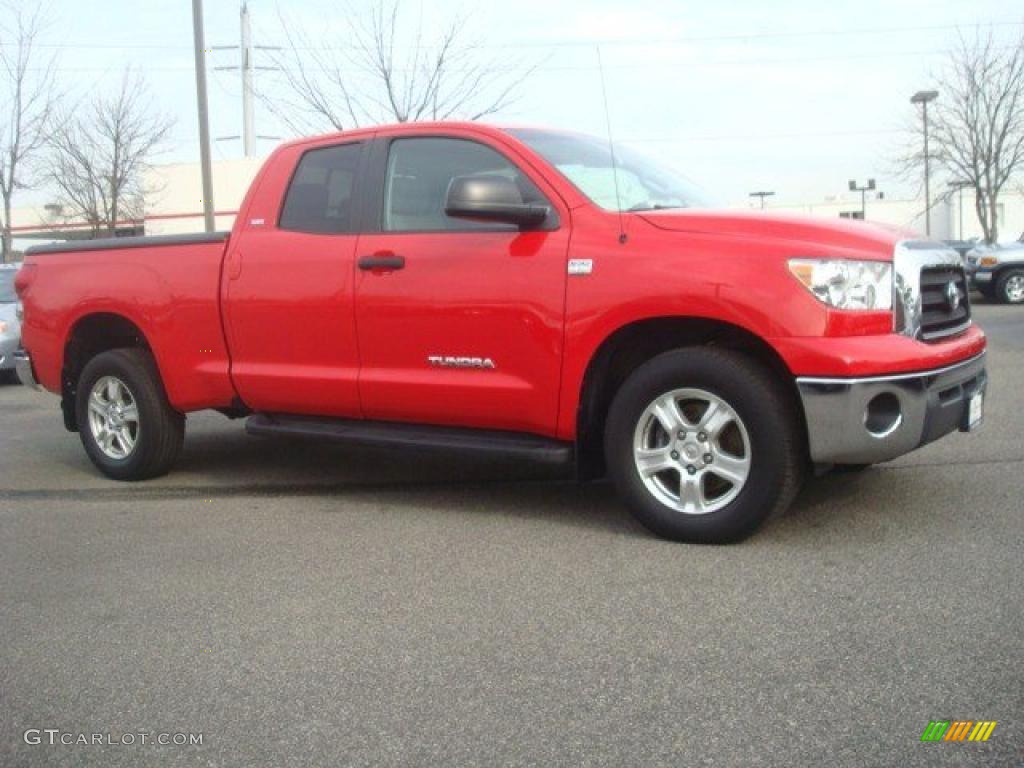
x=320 y=196
x=419 y=173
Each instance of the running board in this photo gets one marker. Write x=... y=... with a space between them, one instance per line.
x=416 y=436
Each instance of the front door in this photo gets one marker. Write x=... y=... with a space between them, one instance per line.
x=289 y=293
x=459 y=322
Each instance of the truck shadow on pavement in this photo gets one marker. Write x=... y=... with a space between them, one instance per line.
x=221 y=461
x=420 y=483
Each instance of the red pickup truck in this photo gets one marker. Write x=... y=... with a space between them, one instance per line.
x=521 y=292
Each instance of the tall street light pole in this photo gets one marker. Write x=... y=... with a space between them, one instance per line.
x=762 y=195
x=204 y=123
x=923 y=98
x=863 y=194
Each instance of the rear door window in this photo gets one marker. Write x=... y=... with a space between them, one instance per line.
x=321 y=197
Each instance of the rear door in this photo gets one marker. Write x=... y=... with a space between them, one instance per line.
x=465 y=326
x=289 y=291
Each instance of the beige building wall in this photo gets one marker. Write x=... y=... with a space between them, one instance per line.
x=174 y=206
x=909 y=214
x=174 y=199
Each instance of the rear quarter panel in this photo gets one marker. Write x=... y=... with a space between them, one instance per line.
x=170 y=292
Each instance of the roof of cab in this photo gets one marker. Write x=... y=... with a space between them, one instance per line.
x=399 y=128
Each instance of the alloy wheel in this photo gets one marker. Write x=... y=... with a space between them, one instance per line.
x=692 y=451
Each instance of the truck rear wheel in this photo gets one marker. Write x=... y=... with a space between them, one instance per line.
x=704 y=444
x=127 y=427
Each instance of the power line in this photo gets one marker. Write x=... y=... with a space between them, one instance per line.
x=646 y=42
x=689 y=64
x=711 y=137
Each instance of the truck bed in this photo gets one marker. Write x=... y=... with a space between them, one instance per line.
x=168 y=285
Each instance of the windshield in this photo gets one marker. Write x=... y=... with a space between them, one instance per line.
x=586 y=161
x=7 y=294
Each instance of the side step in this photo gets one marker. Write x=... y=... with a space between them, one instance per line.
x=416 y=436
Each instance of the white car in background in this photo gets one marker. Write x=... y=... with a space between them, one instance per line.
x=998 y=271
x=10 y=326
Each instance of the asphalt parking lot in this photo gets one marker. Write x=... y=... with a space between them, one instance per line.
x=299 y=604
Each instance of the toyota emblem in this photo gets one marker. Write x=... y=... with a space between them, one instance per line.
x=952 y=296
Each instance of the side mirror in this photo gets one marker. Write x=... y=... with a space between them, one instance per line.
x=492 y=198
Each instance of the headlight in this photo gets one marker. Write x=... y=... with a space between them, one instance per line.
x=987 y=261
x=3 y=327
x=845 y=283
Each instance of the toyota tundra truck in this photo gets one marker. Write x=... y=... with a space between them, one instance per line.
x=515 y=292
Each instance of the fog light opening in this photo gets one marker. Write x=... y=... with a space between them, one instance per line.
x=883 y=415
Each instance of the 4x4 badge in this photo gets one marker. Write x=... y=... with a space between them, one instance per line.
x=581 y=266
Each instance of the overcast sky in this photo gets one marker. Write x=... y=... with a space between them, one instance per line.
x=796 y=96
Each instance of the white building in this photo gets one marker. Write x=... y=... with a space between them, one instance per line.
x=174 y=205
x=177 y=206
x=174 y=198
x=953 y=217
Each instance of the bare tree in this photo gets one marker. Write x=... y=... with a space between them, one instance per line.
x=26 y=102
x=380 y=74
x=977 y=123
x=99 y=151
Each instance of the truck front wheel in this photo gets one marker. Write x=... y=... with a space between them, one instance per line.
x=704 y=444
x=128 y=428
x=1010 y=286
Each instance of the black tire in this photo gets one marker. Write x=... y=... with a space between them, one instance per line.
x=768 y=411
x=1003 y=286
x=9 y=377
x=161 y=429
x=849 y=469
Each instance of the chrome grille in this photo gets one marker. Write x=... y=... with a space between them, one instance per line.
x=945 y=306
x=921 y=272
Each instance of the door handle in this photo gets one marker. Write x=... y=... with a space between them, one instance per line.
x=382 y=262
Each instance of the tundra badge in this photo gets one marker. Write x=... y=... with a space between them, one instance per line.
x=448 y=361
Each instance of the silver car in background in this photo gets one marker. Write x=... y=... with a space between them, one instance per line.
x=10 y=326
x=998 y=271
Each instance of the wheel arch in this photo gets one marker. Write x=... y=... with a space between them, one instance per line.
x=636 y=342
x=88 y=336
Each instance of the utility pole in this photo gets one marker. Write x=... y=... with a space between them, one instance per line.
x=248 y=139
x=922 y=98
x=247 y=67
x=199 y=43
x=870 y=186
x=762 y=195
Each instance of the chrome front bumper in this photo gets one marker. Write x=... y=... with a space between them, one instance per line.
x=867 y=420
x=23 y=365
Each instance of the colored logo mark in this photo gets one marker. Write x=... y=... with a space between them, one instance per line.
x=958 y=730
